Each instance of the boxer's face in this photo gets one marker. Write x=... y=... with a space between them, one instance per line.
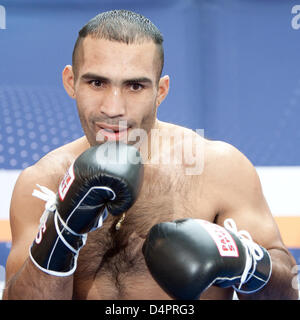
x=116 y=88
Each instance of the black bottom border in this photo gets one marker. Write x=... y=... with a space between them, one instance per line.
x=158 y=309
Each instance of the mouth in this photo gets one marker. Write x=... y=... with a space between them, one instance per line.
x=111 y=132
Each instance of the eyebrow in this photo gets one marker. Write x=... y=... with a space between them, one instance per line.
x=93 y=76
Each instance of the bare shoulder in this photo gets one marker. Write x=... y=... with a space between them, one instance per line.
x=238 y=190
x=233 y=176
x=50 y=167
x=184 y=138
x=175 y=128
x=221 y=161
x=230 y=167
x=61 y=157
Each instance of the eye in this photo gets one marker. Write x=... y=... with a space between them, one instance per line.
x=96 y=83
x=136 y=86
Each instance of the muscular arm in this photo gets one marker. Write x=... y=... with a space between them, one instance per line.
x=23 y=279
x=242 y=199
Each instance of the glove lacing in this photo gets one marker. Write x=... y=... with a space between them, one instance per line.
x=50 y=197
x=253 y=251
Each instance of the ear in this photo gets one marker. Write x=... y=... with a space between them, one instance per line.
x=163 y=89
x=68 y=81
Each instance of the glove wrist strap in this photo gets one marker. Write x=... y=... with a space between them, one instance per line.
x=258 y=264
x=259 y=275
x=55 y=249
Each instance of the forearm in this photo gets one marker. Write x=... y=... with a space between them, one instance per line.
x=281 y=285
x=30 y=283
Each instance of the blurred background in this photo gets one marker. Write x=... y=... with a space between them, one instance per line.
x=234 y=70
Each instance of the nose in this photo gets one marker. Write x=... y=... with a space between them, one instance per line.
x=113 y=104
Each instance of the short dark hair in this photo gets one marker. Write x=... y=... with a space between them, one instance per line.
x=122 y=26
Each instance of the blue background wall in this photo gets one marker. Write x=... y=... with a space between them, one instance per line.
x=234 y=68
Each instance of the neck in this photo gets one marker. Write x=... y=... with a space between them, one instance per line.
x=149 y=148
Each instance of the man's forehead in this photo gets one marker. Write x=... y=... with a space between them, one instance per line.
x=101 y=45
x=112 y=54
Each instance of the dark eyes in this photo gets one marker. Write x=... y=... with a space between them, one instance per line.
x=136 y=86
x=132 y=86
x=96 y=83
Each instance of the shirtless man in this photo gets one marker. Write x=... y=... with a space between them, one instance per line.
x=116 y=78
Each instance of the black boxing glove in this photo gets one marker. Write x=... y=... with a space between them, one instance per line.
x=104 y=178
x=187 y=256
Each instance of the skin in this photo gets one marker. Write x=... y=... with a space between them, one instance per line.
x=228 y=187
x=103 y=95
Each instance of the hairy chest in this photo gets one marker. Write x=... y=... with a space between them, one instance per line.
x=116 y=255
